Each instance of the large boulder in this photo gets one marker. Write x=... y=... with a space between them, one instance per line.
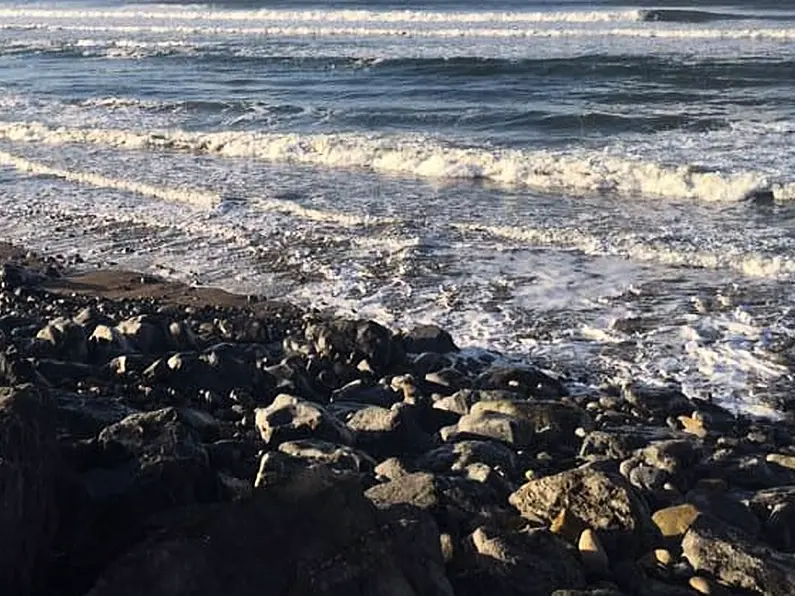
x=28 y=472
x=516 y=563
x=428 y=338
x=602 y=499
x=290 y=418
x=737 y=560
x=526 y=381
x=314 y=536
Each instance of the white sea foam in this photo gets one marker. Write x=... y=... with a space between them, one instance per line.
x=408 y=32
x=578 y=171
x=628 y=246
x=324 y=16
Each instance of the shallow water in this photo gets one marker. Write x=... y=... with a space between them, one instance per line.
x=607 y=188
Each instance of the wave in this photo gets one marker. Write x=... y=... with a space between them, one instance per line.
x=630 y=247
x=195 y=197
x=680 y=15
x=324 y=16
x=577 y=171
x=751 y=33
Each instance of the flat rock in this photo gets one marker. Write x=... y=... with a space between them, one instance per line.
x=674 y=521
x=526 y=381
x=428 y=338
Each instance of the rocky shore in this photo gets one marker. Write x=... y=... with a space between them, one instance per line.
x=163 y=440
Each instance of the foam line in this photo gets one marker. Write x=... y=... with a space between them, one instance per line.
x=577 y=171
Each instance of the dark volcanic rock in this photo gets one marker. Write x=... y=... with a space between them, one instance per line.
x=28 y=476
x=428 y=338
x=524 y=563
x=455 y=457
x=736 y=560
x=316 y=537
x=528 y=382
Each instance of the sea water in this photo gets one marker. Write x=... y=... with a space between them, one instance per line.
x=607 y=189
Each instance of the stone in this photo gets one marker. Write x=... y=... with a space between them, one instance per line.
x=737 y=561
x=602 y=499
x=428 y=338
x=354 y=341
x=514 y=563
x=455 y=457
x=388 y=432
x=674 y=521
x=700 y=585
x=666 y=400
x=593 y=554
x=528 y=382
x=334 y=456
x=314 y=535
x=727 y=508
x=29 y=465
x=776 y=508
x=289 y=418
x=488 y=424
x=391 y=468
x=693 y=425
x=568 y=526
x=145 y=333
x=66 y=339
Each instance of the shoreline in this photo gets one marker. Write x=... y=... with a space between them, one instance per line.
x=165 y=439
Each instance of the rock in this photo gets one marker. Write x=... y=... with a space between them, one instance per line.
x=527 y=563
x=428 y=338
x=145 y=333
x=28 y=481
x=728 y=555
x=674 y=521
x=450 y=378
x=66 y=340
x=391 y=468
x=726 y=508
x=315 y=536
x=693 y=425
x=455 y=457
x=497 y=426
x=701 y=585
x=354 y=341
x=528 y=382
x=666 y=400
x=776 y=508
x=593 y=554
x=457 y=403
x=746 y=470
x=457 y=504
x=13 y=276
x=359 y=392
x=553 y=421
x=290 y=418
x=601 y=499
x=386 y=433
x=334 y=456
x=568 y=526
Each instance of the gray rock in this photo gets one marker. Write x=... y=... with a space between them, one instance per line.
x=290 y=418
x=28 y=481
x=65 y=339
x=146 y=334
x=385 y=433
x=334 y=456
x=603 y=500
x=735 y=560
x=498 y=426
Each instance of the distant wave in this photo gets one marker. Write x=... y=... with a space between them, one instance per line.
x=193 y=13
x=407 y=32
x=698 y=16
x=581 y=172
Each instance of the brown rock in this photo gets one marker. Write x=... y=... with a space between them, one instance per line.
x=675 y=521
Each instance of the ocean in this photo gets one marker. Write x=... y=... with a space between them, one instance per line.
x=607 y=189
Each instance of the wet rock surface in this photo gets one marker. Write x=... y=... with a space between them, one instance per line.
x=155 y=439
